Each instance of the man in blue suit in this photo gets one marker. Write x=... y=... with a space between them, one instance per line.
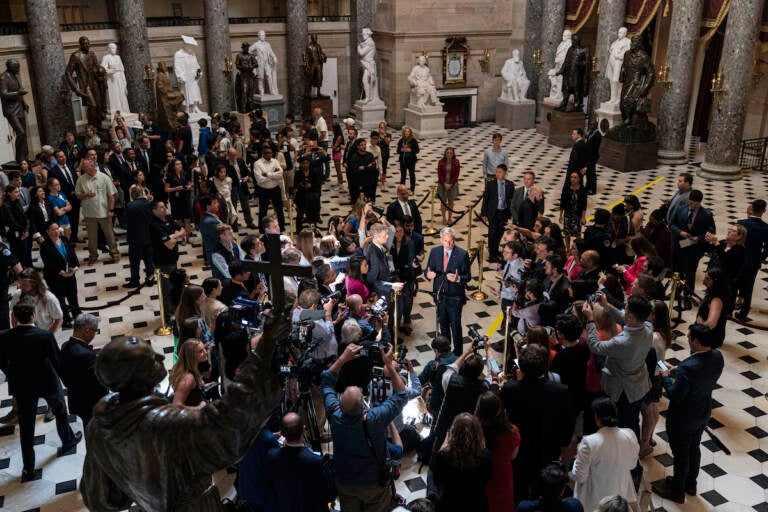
x=497 y=209
x=690 y=405
x=138 y=217
x=757 y=251
x=448 y=269
x=689 y=225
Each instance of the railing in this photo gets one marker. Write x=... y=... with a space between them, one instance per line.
x=754 y=154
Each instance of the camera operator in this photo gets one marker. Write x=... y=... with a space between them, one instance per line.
x=323 y=332
x=356 y=311
x=526 y=305
x=434 y=370
x=359 y=436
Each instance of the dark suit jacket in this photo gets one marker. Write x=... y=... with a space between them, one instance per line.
x=67 y=189
x=298 y=479
x=690 y=397
x=559 y=291
x=491 y=199
x=137 y=218
x=245 y=171
x=395 y=213
x=120 y=171
x=593 y=148
x=36 y=218
x=459 y=260
x=54 y=262
x=579 y=157
x=703 y=223
x=142 y=163
x=757 y=241
x=28 y=357
x=517 y=203
x=78 y=373
x=378 y=277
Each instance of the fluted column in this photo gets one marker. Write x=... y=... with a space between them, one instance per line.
x=362 y=16
x=134 y=51
x=725 y=131
x=296 y=27
x=220 y=92
x=681 y=53
x=553 y=17
x=533 y=15
x=48 y=65
x=608 y=24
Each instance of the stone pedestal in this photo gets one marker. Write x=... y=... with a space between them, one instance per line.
x=325 y=103
x=369 y=115
x=426 y=122
x=193 y=119
x=273 y=106
x=628 y=157
x=546 y=106
x=515 y=115
x=610 y=112
x=719 y=172
x=671 y=157
x=561 y=125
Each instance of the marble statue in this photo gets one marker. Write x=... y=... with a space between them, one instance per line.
x=188 y=72
x=117 y=88
x=515 y=82
x=169 y=100
x=366 y=50
x=267 y=64
x=574 y=72
x=637 y=76
x=423 y=90
x=85 y=77
x=314 y=58
x=555 y=80
x=144 y=450
x=615 y=60
x=14 y=107
x=245 y=83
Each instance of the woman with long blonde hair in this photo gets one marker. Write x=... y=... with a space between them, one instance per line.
x=185 y=378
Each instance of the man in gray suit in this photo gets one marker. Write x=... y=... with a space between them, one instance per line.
x=521 y=194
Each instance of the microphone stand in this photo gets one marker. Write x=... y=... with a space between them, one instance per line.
x=438 y=293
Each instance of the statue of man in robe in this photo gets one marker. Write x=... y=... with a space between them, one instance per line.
x=188 y=72
x=14 y=107
x=515 y=82
x=615 y=60
x=574 y=73
x=245 y=83
x=314 y=58
x=367 y=52
x=637 y=75
x=117 y=88
x=267 y=61
x=555 y=80
x=423 y=90
x=169 y=100
x=85 y=77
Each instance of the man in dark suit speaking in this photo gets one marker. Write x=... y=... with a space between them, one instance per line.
x=497 y=209
x=448 y=269
x=29 y=357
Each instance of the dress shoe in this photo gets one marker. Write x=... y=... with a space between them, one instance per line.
x=27 y=475
x=251 y=226
x=116 y=258
x=66 y=324
x=132 y=284
x=49 y=416
x=690 y=491
x=687 y=304
x=66 y=447
x=664 y=489
x=11 y=418
x=92 y=261
x=150 y=281
x=741 y=315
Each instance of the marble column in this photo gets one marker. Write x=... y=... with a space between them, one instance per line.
x=361 y=16
x=217 y=50
x=134 y=51
x=726 y=128
x=553 y=18
x=48 y=65
x=675 y=105
x=296 y=28
x=533 y=14
x=608 y=24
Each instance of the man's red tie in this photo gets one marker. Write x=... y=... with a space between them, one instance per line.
x=445 y=261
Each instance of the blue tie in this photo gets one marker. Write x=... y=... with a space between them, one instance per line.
x=501 y=196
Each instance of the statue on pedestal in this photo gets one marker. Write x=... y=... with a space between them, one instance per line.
x=245 y=83
x=574 y=72
x=169 y=100
x=555 y=80
x=615 y=60
x=314 y=58
x=86 y=78
x=367 y=52
x=188 y=72
x=117 y=88
x=267 y=63
x=14 y=107
x=515 y=82
x=423 y=90
x=637 y=76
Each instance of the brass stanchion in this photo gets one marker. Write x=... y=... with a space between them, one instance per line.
x=431 y=230
x=506 y=338
x=396 y=324
x=673 y=295
x=164 y=329
x=472 y=250
x=479 y=294
x=290 y=219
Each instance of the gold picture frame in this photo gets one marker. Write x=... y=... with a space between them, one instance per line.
x=455 y=59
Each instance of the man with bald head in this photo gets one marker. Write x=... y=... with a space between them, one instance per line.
x=359 y=435
x=297 y=478
x=241 y=176
x=403 y=207
x=96 y=194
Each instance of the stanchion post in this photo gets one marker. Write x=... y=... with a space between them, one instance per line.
x=673 y=295
x=396 y=324
x=479 y=294
x=431 y=230
x=506 y=337
x=472 y=250
x=164 y=329
x=290 y=219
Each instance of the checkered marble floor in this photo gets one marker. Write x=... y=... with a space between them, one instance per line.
x=736 y=482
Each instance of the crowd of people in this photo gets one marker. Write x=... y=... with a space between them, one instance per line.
x=587 y=322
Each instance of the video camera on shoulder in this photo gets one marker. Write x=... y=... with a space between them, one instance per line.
x=247 y=313
x=378 y=309
x=333 y=296
x=372 y=350
x=378 y=209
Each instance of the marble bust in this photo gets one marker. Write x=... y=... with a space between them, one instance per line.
x=615 y=60
x=555 y=80
x=188 y=72
x=366 y=50
x=267 y=64
x=515 y=82
x=423 y=90
x=117 y=89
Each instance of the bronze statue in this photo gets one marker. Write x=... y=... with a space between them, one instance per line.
x=574 y=71
x=143 y=449
x=86 y=78
x=245 y=82
x=638 y=76
x=14 y=107
x=169 y=100
x=314 y=58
